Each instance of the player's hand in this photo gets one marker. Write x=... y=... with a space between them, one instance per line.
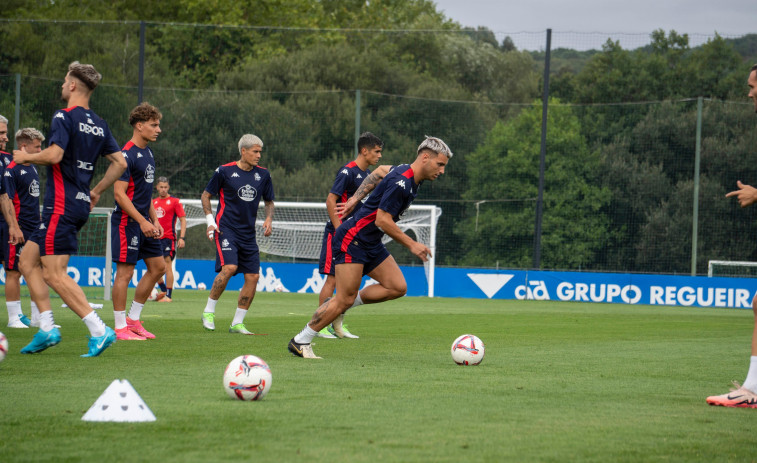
x=211 y=232
x=346 y=207
x=267 y=228
x=180 y=243
x=746 y=195
x=160 y=230
x=93 y=199
x=15 y=236
x=149 y=230
x=421 y=251
x=20 y=156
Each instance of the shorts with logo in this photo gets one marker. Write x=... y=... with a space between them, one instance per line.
x=129 y=245
x=13 y=251
x=168 y=245
x=370 y=255
x=56 y=235
x=234 y=249
x=326 y=262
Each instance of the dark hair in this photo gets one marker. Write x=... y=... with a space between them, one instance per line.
x=368 y=140
x=143 y=113
x=754 y=68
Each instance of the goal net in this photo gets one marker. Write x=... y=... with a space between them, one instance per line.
x=731 y=268
x=298 y=229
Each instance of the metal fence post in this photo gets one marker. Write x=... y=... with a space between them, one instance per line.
x=17 y=111
x=542 y=155
x=141 y=83
x=357 y=119
x=695 y=213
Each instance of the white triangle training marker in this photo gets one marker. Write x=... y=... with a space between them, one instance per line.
x=119 y=403
x=490 y=283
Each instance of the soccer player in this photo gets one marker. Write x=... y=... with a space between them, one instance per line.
x=9 y=230
x=745 y=396
x=21 y=183
x=135 y=230
x=239 y=185
x=358 y=249
x=348 y=179
x=78 y=138
x=168 y=210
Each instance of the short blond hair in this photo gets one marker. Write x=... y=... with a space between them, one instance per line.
x=435 y=145
x=28 y=134
x=85 y=73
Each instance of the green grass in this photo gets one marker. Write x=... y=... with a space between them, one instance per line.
x=560 y=382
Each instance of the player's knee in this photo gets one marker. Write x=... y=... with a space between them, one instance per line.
x=51 y=277
x=399 y=291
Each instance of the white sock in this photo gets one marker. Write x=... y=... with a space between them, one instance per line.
x=210 y=306
x=14 y=309
x=35 y=312
x=358 y=301
x=239 y=316
x=95 y=325
x=120 y=319
x=306 y=335
x=46 y=322
x=751 y=377
x=136 y=310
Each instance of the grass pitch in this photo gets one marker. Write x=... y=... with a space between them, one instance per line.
x=560 y=382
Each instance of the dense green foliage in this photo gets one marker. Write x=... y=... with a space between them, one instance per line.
x=621 y=136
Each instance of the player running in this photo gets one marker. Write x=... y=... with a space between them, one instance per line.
x=358 y=249
x=239 y=185
x=348 y=179
x=135 y=231
x=21 y=182
x=745 y=396
x=78 y=138
x=168 y=209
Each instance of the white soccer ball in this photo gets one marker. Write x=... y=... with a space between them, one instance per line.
x=247 y=377
x=3 y=347
x=467 y=350
x=153 y=294
x=201 y=286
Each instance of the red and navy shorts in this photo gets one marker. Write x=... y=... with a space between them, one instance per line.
x=237 y=250
x=56 y=235
x=326 y=262
x=371 y=256
x=129 y=245
x=168 y=245
x=13 y=251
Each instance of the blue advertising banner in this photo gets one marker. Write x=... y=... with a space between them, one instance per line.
x=622 y=288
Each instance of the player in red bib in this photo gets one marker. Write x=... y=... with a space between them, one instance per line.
x=78 y=138
x=135 y=231
x=168 y=209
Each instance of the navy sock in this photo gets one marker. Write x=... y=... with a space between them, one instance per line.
x=162 y=287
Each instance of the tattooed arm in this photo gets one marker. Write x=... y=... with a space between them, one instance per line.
x=268 y=223
x=363 y=190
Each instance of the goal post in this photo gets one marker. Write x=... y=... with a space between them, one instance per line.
x=731 y=268
x=298 y=229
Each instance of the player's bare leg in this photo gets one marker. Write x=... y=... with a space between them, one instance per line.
x=246 y=295
x=327 y=291
x=124 y=274
x=391 y=285
x=155 y=269
x=219 y=286
x=348 y=278
x=31 y=267
x=743 y=396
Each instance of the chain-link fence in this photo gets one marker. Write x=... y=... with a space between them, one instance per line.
x=619 y=191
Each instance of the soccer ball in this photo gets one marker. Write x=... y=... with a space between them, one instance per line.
x=153 y=294
x=201 y=286
x=467 y=350
x=247 y=377
x=3 y=347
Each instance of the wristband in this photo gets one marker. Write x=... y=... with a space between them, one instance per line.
x=181 y=238
x=210 y=220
